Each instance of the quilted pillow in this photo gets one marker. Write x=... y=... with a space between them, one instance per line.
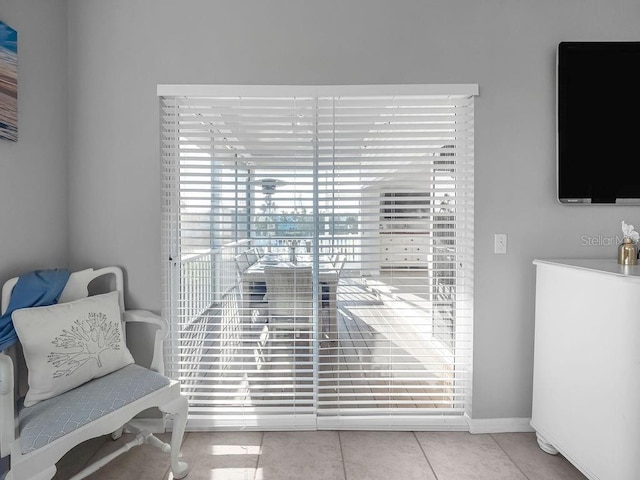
x=68 y=344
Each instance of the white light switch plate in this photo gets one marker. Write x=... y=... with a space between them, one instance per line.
x=500 y=243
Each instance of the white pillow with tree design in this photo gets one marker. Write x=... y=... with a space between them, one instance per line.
x=68 y=344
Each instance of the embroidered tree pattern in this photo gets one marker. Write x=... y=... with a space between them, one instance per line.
x=83 y=342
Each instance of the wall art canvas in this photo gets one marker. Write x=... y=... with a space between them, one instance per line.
x=8 y=82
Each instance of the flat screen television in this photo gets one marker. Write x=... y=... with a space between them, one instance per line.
x=598 y=123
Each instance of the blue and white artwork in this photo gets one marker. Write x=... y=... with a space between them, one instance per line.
x=8 y=82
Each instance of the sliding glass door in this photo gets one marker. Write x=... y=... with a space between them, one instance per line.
x=319 y=245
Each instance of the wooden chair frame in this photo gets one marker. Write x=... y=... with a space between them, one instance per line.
x=39 y=464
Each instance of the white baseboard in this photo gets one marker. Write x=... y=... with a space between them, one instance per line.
x=499 y=425
x=478 y=425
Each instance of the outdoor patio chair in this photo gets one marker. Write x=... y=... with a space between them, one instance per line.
x=242 y=262
x=290 y=302
x=339 y=262
x=82 y=379
x=253 y=298
x=252 y=256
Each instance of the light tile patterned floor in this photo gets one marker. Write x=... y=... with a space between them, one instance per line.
x=331 y=455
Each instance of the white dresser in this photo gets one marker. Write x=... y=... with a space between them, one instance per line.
x=404 y=250
x=586 y=380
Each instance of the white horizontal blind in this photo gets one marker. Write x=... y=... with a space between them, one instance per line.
x=377 y=189
x=403 y=167
x=243 y=171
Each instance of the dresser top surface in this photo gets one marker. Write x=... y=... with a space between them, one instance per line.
x=608 y=266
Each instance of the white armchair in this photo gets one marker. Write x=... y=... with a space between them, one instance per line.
x=37 y=436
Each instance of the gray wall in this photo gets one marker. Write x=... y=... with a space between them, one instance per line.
x=34 y=229
x=120 y=50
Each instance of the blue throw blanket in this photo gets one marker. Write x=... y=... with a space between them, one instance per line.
x=34 y=289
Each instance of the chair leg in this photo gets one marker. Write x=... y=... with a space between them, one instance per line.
x=178 y=409
x=262 y=346
x=46 y=474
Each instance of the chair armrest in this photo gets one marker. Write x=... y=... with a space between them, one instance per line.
x=144 y=316
x=7 y=405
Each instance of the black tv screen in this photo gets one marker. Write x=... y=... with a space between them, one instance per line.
x=598 y=122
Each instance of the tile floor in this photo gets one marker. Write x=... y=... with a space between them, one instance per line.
x=331 y=455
